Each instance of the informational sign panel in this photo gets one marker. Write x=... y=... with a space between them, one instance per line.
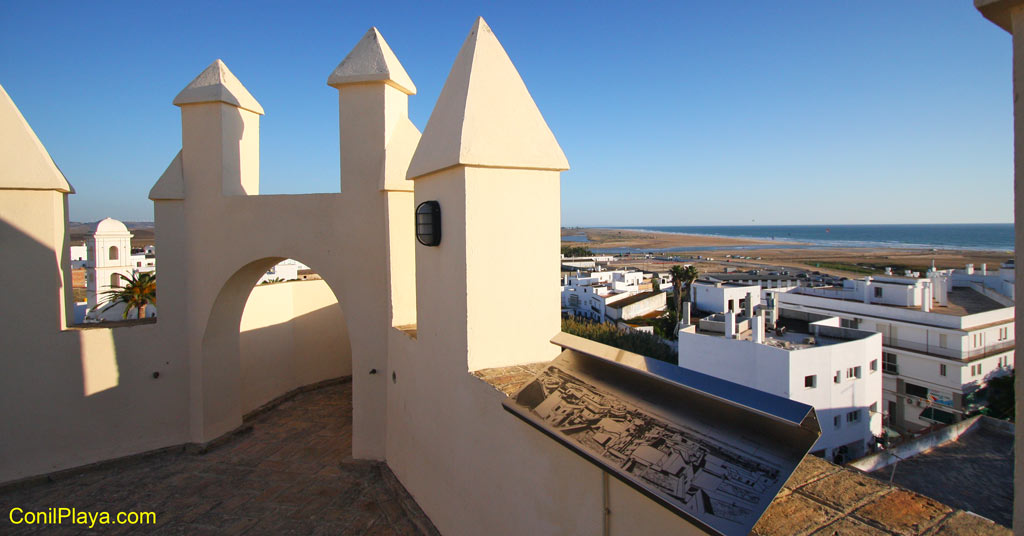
x=693 y=448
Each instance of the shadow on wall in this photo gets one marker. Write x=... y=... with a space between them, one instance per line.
x=101 y=392
x=291 y=334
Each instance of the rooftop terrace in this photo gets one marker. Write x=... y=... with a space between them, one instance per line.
x=962 y=301
x=289 y=475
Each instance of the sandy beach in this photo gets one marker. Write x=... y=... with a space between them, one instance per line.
x=850 y=262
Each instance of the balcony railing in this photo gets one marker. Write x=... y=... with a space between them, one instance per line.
x=954 y=353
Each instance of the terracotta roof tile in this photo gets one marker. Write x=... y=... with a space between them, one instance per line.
x=904 y=512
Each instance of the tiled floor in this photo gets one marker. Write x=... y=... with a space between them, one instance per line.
x=289 y=475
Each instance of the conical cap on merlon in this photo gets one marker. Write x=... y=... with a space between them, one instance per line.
x=485 y=116
x=372 y=61
x=218 y=84
x=24 y=162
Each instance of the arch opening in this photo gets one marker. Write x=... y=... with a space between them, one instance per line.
x=270 y=333
x=112 y=253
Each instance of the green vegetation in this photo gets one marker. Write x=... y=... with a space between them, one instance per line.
x=1000 y=397
x=866 y=268
x=628 y=340
x=664 y=327
x=845 y=266
x=576 y=251
x=138 y=291
x=681 y=276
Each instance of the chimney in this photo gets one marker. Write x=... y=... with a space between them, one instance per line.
x=758 y=326
x=867 y=289
x=684 y=315
x=730 y=325
x=943 y=291
x=969 y=269
x=984 y=269
x=748 y=308
x=926 y=296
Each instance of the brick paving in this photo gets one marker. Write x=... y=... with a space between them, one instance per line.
x=289 y=475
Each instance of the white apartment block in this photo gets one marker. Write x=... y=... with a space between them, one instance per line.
x=815 y=361
x=943 y=337
x=589 y=294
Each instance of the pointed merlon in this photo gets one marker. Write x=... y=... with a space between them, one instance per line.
x=170 y=185
x=372 y=61
x=485 y=116
x=217 y=84
x=24 y=162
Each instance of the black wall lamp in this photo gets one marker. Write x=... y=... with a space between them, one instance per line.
x=428 y=223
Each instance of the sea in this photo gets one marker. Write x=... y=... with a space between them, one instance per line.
x=973 y=236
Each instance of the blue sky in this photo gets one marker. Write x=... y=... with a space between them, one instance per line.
x=671 y=113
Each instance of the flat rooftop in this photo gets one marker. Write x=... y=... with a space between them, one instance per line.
x=823 y=498
x=974 y=472
x=962 y=301
x=634 y=299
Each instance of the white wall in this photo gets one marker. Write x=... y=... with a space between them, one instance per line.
x=715 y=299
x=292 y=334
x=782 y=372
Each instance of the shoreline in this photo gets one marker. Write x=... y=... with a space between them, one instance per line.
x=699 y=240
x=848 y=260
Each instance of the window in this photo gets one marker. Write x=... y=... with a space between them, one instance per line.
x=115 y=281
x=889 y=363
x=837 y=421
x=853 y=416
x=937 y=415
x=138 y=264
x=873 y=365
x=942 y=370
x=943 y=342
x=853 y=372
x=856 y=372
x=1004 y=333
x=112 y=253
x=916 y=390
x=979 y=339
x=976 y=369
x=836 y=378
x=878 y=292
x=811 y=382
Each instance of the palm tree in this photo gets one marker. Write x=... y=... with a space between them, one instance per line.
x=138 y=291
x=690 y=274
x=681 y=276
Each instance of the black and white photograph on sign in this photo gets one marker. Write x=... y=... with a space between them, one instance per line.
x=723 y=486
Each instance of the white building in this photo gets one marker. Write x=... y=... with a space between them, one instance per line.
x=79 y=256
x=286 y=270
x=719 y=297
x=110 y=257
x=762 y=278
x=814 y=360
x=637 y=305
x=942 y=339
x=589 y=294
